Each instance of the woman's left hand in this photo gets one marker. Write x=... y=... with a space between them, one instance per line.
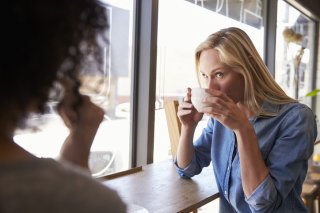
x=83 y=118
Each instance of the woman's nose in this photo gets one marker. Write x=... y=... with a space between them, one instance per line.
x=213 y=85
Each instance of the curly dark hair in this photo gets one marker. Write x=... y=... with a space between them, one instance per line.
x=43 y=40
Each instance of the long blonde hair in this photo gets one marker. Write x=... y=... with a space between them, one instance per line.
x=236 y=50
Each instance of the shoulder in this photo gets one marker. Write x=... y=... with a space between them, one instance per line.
x=298 y=118
x=295 y=106
x=283 y=109
x=291 y=117
x=63 y=187
x=81 y=186
x=296 y=110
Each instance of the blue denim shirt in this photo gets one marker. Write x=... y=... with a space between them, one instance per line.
x=286 y=142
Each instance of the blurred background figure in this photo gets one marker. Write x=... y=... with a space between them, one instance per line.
x=45 y=45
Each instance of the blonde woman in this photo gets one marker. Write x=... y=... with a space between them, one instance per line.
x=258 y=139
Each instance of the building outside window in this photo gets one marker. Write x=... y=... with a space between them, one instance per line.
x=294 y=52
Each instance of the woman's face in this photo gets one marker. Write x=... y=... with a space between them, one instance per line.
x=219 y=76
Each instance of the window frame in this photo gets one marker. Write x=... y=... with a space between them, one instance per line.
x=144 y=60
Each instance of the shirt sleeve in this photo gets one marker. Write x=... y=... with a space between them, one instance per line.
x=188 y=171
x=201 y=157
x=287 y=161
x=264 y=195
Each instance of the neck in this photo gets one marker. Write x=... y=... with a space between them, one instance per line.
x=9 y=150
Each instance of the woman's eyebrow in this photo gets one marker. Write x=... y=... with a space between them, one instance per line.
x=213 y=70
x=216 y=69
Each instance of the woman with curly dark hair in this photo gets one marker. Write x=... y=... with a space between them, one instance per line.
x=45 y=43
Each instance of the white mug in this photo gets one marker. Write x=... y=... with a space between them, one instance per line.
x=197 y=95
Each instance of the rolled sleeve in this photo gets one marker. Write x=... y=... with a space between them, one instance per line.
x=264 y=195
x=188 y=171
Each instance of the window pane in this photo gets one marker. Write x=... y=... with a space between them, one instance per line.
x=182 y=25
x=295 y=43
x=110 y=90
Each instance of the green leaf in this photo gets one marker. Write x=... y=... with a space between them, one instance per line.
x=313 y=93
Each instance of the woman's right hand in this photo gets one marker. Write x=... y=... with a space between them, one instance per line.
x=188 y=115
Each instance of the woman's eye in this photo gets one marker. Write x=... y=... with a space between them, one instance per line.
x=219 y=74
x=204 y=75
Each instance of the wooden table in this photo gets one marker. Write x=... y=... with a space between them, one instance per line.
x=158 y=188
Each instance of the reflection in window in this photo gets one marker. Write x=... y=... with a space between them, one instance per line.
x=294 y=44
x=109 y=87
x=182 y=25
x=249 y=12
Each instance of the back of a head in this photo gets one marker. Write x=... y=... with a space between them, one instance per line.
x=41 y=38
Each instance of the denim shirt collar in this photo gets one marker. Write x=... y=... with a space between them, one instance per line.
x=268 y=107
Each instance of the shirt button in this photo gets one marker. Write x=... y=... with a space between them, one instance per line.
x=225 y=192
x=228 y=168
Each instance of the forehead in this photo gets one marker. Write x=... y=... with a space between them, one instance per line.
x=211 y=55
x=209 y=61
